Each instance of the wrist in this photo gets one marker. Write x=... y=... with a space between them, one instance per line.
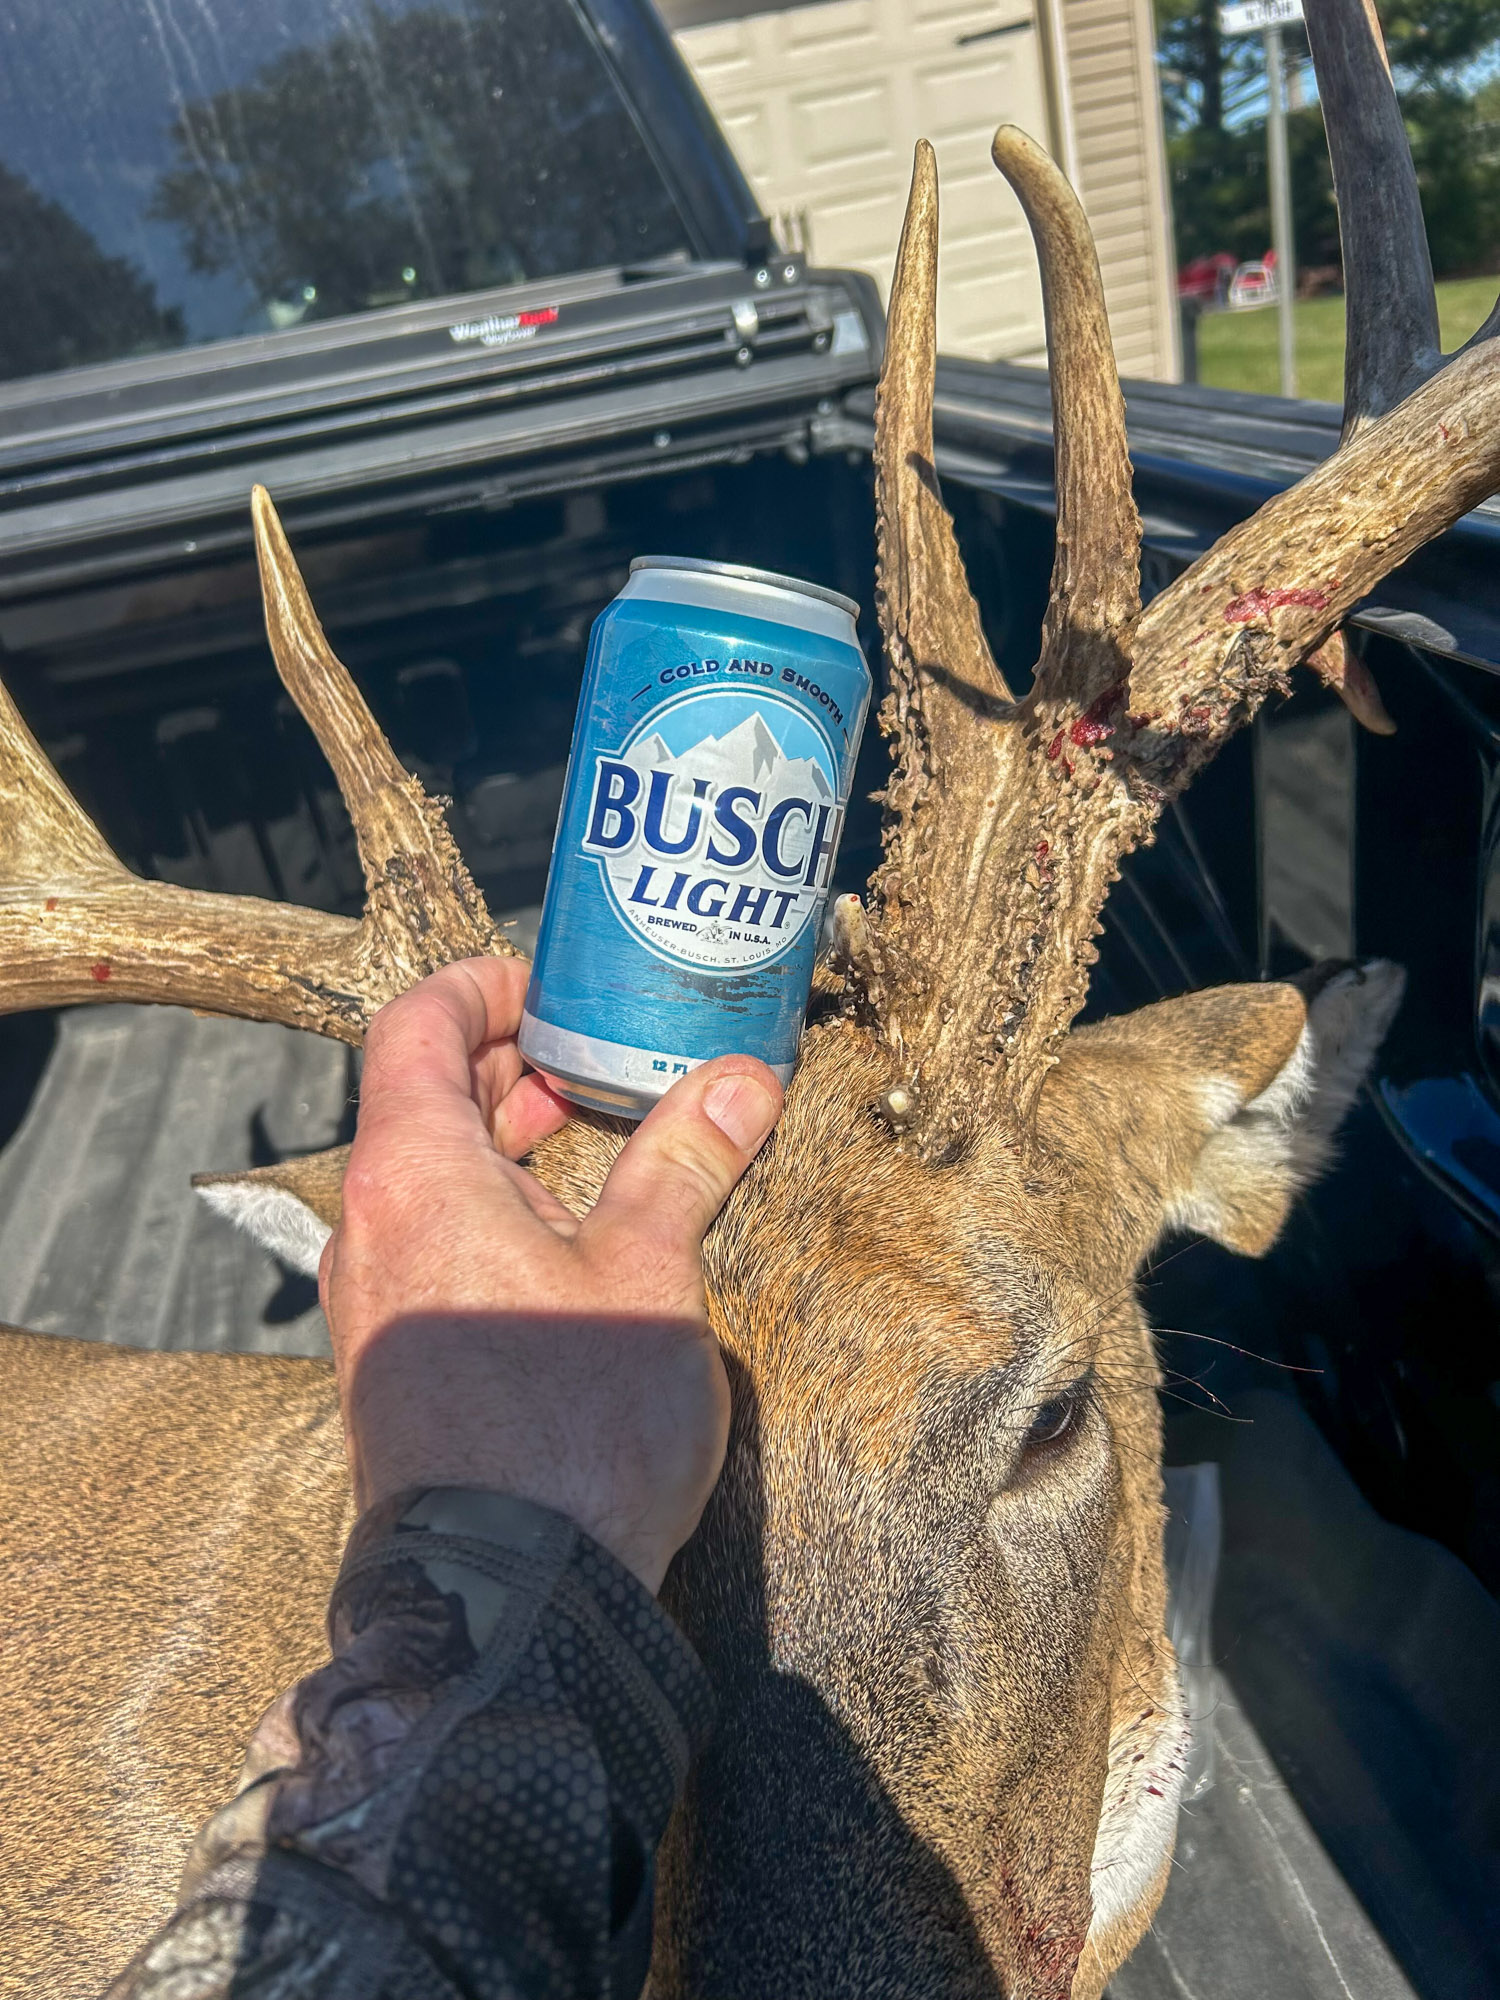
x=616 y=1424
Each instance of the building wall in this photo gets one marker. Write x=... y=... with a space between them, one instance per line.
x=1119 y=169
x=823 y=103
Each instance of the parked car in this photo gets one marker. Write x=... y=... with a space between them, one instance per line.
x=481 y=295
x=1255 y=283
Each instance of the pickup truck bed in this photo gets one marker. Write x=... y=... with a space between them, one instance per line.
x=100 y=1236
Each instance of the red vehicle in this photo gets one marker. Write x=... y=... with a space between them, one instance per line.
x=1206 y=279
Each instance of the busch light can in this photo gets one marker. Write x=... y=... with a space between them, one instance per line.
x=712 y=757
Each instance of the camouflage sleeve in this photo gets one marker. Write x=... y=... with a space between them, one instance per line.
x=464 y=1804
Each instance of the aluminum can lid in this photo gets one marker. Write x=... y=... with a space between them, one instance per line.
x=743 y=574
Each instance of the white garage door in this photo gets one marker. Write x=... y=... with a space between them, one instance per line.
x=823 y=105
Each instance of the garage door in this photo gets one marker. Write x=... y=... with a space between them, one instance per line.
x=823 y=105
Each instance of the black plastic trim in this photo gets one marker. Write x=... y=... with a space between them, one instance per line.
x=679 y=129
x=398 y=419
x=1205 y=459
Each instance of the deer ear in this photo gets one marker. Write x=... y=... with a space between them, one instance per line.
x=1278 y=1138
x=291 y=1208
x=1227 y=1102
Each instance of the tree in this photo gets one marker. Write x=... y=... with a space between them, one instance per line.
x=415 y=154
x=1199 y=66
x=1430 y=42
x=1217 y=156
x=1221 y=200
x=1433 y=49
x=66 y=302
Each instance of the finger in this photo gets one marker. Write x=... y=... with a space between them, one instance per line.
x=529 y=1112
x=520 y=1107
x=677 y=1170
x=494 y=1070
x=417 y=1101
x=424 y=1039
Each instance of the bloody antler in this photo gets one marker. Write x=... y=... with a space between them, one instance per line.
x=1006 y=821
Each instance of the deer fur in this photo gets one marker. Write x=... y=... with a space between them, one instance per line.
x=184 y=1517
x=929 y=1587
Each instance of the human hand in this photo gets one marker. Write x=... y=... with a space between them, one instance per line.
x=485 y=1337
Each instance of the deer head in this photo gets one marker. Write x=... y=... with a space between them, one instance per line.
x=930 y=1585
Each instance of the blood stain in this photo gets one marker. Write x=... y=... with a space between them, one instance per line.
x=101 y=970
x=1093 y=726
x=1256 y=603
x=52 y=902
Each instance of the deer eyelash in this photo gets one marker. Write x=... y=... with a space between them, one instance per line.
x=1058 y=1417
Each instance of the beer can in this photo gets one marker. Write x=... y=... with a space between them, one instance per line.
x=712 y=758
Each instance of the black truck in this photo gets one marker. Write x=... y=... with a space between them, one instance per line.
x=477 y=289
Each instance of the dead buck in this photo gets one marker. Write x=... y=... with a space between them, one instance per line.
x=930 y=1586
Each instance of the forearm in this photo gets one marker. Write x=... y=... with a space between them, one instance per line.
x=466 y=1801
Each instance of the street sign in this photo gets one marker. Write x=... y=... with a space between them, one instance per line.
x=1253 y=17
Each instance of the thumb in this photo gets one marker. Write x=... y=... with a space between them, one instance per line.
x=680 y=1165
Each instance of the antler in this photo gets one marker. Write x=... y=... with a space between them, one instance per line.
x=76 y=925
x=1006 y=821
x=1391 y=308
x=994 y=871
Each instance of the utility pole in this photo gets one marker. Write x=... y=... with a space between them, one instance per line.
x=1281 y=207
x=1268 y=18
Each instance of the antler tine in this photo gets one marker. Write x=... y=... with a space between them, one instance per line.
x=43 y=829
x=941 y=672
x=421 y=899
x=1096 y=574
x=1230 y=629
x=925 y=604
x=1391 y=320
x=76 y=925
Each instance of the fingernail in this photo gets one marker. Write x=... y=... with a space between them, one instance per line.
x=742 y=1108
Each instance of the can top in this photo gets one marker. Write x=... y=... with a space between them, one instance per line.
x=742 y=574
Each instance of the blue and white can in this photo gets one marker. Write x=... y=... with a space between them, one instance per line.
x=712 y=758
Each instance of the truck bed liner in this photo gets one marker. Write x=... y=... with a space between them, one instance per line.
x=100 y=1233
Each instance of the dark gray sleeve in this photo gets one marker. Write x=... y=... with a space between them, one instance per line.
x=464 y=1804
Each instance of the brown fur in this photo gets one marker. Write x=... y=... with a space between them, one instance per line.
x=171 y=1530
x=925 y=1637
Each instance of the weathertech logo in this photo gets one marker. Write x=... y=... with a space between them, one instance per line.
x=503 y=329
x=717 y=856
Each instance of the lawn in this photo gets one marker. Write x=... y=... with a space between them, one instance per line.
x=1237 y=350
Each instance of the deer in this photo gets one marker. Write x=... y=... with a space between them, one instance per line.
x=929 y=1588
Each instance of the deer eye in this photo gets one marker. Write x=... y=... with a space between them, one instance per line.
x=1054 y=1420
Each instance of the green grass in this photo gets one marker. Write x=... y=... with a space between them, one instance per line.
x=1237 y=350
